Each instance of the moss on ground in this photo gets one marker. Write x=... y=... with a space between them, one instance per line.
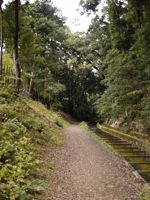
x=143 y=144
x=146 y=193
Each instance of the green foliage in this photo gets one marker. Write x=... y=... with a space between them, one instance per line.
x=22 y=134
x=42 y=33
x=90 y=4
x=57 y=68
x=120 y=38
x=16 y=153
x=7 y=95
x=50 y=115
x=84 y=125
x=16 y=161
x=103 y=74
x=81 y=81
x=7 y=60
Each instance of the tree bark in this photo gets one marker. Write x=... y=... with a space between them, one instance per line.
x=30 y=85
x=17 y=70
x=1 y=38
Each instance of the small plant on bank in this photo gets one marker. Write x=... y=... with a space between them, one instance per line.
x=84 y=125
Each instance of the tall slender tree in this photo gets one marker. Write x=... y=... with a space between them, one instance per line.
x=17 y=70
x=1 y=37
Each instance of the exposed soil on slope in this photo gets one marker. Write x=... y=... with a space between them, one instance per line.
x=88 y=170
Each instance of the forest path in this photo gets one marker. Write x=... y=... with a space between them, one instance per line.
x=87 y=170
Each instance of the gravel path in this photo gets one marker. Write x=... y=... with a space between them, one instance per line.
x=87 y=170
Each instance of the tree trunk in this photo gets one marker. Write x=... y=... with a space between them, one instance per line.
x=17 y=70
x=30 y=85
x=1 y=38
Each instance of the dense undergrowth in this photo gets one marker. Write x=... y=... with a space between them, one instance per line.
x=23 y=136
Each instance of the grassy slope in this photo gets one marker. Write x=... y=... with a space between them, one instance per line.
x=27 y=128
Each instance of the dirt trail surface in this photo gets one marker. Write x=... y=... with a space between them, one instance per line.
x=87 y=170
